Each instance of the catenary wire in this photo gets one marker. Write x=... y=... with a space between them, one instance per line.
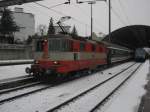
x=123 y=10
x=61 y=13
x=117 y=15
x=86 y=14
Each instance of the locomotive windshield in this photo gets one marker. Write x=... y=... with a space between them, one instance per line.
x=59 y=45
x=140 y=51
x=39 y=46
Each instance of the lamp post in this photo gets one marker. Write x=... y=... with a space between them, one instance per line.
x=91 y=3
x=109 y=36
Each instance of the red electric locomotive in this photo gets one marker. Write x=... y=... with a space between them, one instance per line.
x=62 y=54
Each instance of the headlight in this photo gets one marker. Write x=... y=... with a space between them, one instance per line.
x=55 y=62
x=45 y=40
x=36 y=62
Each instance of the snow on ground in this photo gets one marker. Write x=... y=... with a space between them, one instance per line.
x=44 y=100
x=129 y=97
x=97 y=95
x=12 y=71
x=18 y=92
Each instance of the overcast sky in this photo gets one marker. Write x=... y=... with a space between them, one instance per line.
x=124 y=13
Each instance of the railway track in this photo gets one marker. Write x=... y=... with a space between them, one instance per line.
x=87 y=100
x=3 y=91
x=24 y=91
x=4 y=81
x=16 y=85
x=11 y=94
x=17 y=81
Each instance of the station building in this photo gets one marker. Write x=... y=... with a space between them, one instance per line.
x=26 y=22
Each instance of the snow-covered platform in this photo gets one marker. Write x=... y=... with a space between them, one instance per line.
x=15 y=62
x=128 y=98
x=145 y=102
x=12 y=71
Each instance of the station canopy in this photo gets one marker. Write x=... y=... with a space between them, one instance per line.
x=133 y=37
x=5 y=3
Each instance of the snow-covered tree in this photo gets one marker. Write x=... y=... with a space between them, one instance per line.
x=51 y=29
x=7 y=24
x=74 y=31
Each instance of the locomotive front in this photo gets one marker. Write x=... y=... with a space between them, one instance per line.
x=40 y=50
x=52 y=55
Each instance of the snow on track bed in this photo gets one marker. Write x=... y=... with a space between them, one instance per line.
x=19 y=87
x=16 y=79
x=23 y=92
x=89 y=100
x=44 y=100
x=16 y=83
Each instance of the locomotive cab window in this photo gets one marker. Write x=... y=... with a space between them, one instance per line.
x=39 y=46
